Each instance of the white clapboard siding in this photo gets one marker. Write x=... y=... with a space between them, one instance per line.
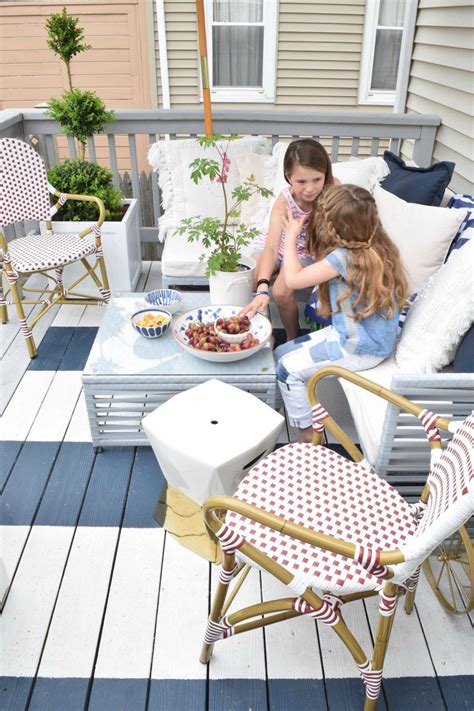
x=241 y=656
x=25 y=403
x=292 y=646
x=56 y=410
x=80 y=606
x=28 y=608
x=182 y=614
x=131 y=610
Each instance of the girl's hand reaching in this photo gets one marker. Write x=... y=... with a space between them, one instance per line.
x=292 y=226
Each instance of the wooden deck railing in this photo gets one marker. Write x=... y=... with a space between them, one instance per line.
x=125 y=140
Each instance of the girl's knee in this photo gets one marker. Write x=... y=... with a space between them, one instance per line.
x=282 y=295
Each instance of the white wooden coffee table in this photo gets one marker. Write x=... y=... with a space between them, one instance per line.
x=127 y=376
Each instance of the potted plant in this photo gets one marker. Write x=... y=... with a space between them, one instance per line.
x=230 y=273
x=82 y=114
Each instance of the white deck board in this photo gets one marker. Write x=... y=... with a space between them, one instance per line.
x=10 y=330
x=56 y=410
x=21 y=412
x=80 y=606
x=78 y=429
x=182 y=614
x=28 y=608
x=12 y=539
x=337 y=661
x=131 y=610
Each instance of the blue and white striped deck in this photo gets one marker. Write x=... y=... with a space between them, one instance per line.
x=107 y=611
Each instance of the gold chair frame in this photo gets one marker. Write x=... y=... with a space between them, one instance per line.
x=273 y=611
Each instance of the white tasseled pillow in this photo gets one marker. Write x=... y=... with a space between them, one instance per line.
x=181 y=197
x=440 y=316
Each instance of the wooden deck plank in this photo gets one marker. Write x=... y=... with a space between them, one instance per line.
x=10 y=330
x=9 y=451
x=114 y=694
x=81 y=602
x=69 y=315
x=24 y=405
x=78 y=350
x=28 y=608
x=57 y=407
x=53 y=347
x=131 y=608
x=78 y=429
x=106 y=495
x=49 y=694
x=146 y=486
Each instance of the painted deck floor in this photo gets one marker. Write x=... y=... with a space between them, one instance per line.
x=107 y=611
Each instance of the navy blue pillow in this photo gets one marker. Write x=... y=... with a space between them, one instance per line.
x=464 y=359
x=424 y=186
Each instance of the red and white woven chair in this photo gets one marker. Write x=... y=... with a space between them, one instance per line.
x=333 y=531
x=25 y=196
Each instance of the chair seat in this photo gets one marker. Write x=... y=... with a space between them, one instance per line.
x=317 y=488
x=49 y=250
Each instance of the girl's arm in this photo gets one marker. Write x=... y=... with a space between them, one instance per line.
x=269 y=258
x=297 y=276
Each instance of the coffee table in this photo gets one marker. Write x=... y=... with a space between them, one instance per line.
x=127 y=376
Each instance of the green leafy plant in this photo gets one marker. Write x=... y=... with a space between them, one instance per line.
x=86 y=178
x=225 y=238
x=65 y=38
x=81 y=114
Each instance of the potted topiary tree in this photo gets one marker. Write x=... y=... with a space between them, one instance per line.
x=81 y=114
x=230 y=272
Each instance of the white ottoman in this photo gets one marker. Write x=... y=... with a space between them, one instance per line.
x=207 y=438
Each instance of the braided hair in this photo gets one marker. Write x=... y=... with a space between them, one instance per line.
x=346 y=216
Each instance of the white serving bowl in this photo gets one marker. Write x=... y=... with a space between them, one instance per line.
x=260 y=327
x=233 y=337
x=151 y=331
x=169 y=299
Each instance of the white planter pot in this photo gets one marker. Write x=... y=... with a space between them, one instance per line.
x=122 y=251
x=233 y=288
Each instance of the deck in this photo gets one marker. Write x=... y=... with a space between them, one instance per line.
x=107 y=611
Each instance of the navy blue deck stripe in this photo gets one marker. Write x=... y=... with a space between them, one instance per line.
x=27 y=481
x=227 y=694
x=146 y=487
x=64 y=494
x=64 y=348
x=105 y=497
x=9 y=451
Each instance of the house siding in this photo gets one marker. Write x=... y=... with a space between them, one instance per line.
x=442 y=81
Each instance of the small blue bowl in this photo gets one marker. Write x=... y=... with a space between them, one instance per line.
x=151 y=331
x=170 y=299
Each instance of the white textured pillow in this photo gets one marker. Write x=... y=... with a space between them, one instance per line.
x=180 y=196
x=257 y=165
x=440 y=316
x=422 y=233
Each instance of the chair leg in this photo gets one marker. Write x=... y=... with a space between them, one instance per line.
x=3 y=303
x=382 y=638
x=410 y=601
x=25 y=329
x=225 y=576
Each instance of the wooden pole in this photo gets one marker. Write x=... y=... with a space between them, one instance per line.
x=206 y=90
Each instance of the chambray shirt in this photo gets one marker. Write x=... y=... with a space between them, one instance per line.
x=374 y=335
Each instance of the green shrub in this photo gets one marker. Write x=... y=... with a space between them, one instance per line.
x=85 y=178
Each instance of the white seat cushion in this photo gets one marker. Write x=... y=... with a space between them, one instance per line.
x=49 y=250
x=325 y=492
x=368 y=410
x=180 y=258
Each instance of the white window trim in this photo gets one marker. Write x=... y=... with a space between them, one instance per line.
x=265 y=94
x=384 y=98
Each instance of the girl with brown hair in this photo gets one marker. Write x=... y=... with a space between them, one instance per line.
x=361 y=285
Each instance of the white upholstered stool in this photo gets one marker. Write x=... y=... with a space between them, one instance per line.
x=208 y=437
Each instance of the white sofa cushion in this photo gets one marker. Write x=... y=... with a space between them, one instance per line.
x=181 y=197
x=422 y=234
x=440 y=316
x=181 y=258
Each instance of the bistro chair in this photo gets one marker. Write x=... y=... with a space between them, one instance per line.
x=333 y=531
x=25 y=196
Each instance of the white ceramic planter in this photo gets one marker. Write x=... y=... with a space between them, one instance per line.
x=233 y=288
x=122 y=250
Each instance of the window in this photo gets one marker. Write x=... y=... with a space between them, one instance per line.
x=385 y=22
x=241 y=39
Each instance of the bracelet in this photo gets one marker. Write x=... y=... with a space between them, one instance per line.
x=262 y=293
x=263 y=281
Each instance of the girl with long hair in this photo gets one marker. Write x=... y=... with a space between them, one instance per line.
x=362 y=286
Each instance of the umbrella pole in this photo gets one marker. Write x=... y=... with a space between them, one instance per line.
x=206 y=90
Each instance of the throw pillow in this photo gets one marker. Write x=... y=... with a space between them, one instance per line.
x=424 y=186
x=179 y=195
x=440 y=316
x=254 y=164
x=466 y=231
x=422 y=234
